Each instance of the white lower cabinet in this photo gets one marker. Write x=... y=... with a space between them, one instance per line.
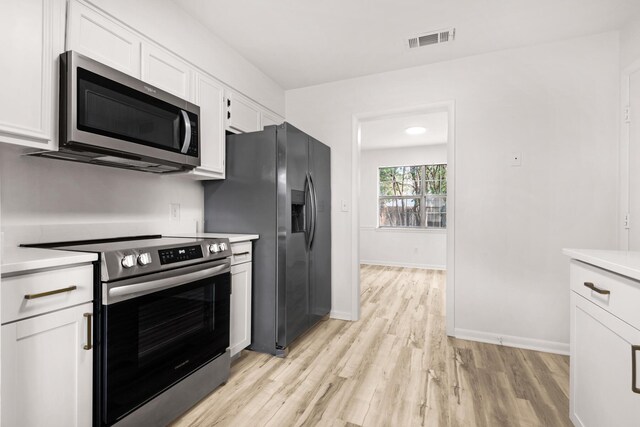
x=47 y=365
x=240 y=325
x=604 y=350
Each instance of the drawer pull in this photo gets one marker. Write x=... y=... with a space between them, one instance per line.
x=594 y=288
x=46 y=294
x=88 y=345
x=634 y=350
x=241 y=253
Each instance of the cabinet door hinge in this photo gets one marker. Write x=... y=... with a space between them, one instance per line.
x=627 y=114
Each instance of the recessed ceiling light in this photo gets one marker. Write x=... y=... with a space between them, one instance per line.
x=415 y=130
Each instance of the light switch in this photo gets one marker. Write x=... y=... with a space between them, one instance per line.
x=344 y=206
x=515 y=159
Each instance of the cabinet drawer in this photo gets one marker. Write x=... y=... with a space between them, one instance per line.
x=619 y=296
x=14 y=289
x=241 y=252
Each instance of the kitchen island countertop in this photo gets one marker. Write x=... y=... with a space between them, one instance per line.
x=625 y=263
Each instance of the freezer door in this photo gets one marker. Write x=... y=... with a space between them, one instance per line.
x=293 y=263
x=320 y=250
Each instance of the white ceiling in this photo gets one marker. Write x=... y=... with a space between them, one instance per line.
x=305 y=42
x=390 y=132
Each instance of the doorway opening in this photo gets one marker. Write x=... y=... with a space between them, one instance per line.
x=403 y=194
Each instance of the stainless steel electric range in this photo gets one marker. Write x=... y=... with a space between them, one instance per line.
x=162 y=325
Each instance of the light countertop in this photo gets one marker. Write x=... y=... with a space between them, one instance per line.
x=625 y=263
x=233 y=238
x=22 y=260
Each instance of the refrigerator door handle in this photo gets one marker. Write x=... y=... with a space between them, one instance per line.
x=314 y=211
x=307 y=210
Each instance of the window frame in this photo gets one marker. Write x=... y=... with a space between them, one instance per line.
x=422 y=197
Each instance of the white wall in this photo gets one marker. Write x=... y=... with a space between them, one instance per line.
x=555 y=103
x=408 y=248
x=168 y=24
x=630 y=42
x=38 y=193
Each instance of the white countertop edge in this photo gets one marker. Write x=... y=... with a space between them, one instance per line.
x=625 y=263
x=233 y=238
x=23 y=260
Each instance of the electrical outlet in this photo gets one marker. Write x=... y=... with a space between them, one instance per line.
x=174 y=212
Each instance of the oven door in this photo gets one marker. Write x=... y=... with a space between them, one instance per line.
x=153 y=340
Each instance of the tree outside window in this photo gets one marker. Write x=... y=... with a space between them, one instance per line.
x=413 y=196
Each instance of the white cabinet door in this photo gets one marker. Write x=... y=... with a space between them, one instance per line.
x=165 y=71
x=210 y=98
x=268 y=119
x=601 y=367
x=92 y=34
x=240 y=333
x=242 y=114
x=32 y=34
x=46 y=371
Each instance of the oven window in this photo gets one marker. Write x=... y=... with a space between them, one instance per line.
x=165 y=321
x=157 y=339
x=111 y=109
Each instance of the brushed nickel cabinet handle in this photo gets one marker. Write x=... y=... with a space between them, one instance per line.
x=594 y=288
x=46 y=294
x=241 y=253
x=88 y=345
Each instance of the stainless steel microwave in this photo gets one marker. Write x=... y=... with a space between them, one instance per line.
x=110 y=118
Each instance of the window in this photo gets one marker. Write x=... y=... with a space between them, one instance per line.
x=413 y=196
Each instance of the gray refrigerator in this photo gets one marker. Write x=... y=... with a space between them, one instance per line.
x=278 y=184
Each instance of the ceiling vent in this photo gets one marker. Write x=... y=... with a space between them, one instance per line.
x=434 y=37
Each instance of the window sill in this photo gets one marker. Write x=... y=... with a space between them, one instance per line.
x=406 y=230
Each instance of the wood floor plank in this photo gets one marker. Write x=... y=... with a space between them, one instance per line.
x=394 y=367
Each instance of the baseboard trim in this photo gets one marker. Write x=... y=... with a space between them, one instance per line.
x=404 y=264
x=511 y=341
x=340 y=315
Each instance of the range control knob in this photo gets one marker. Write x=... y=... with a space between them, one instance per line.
x=214 y=248
x=223 y=246
x=128 y=261
x=144 y=259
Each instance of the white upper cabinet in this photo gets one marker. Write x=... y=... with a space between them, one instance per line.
x=166 y=71
x=243 y=115
x=268 y=119
x=210 y=97
x=32 y=34
x=102 y=39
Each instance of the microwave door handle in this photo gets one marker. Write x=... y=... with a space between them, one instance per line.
x=187 y=132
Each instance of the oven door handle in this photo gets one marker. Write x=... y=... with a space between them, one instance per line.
x=169 y=282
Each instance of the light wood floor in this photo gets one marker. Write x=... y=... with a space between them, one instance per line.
x=395 y=367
